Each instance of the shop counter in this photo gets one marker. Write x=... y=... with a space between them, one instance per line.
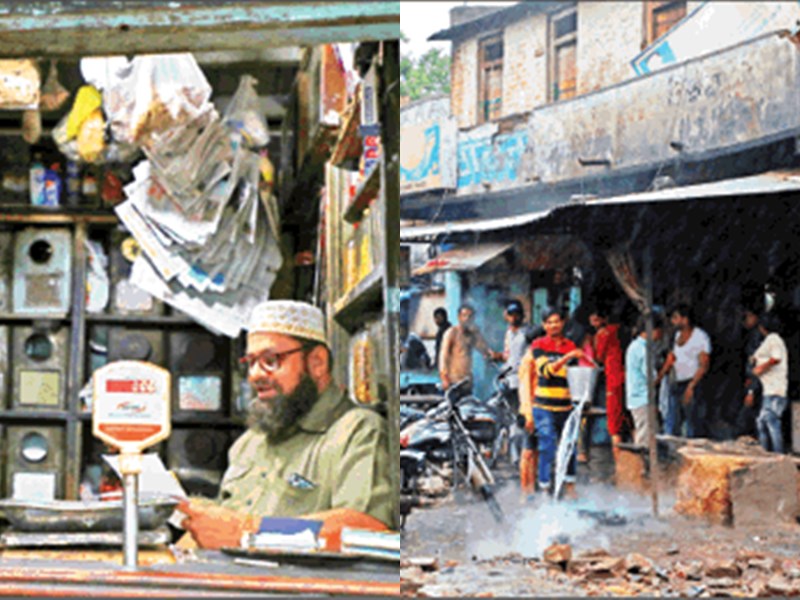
x=192 y=574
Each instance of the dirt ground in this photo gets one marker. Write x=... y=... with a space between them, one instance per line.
x=613 y=543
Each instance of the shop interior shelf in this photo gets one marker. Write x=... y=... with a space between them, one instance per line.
x=32 y=215
x=366 y=193
x=349 y=145
x=12 y=317
x=141 y=319
x=35 y=414
x=364 y=299
x=208 y=419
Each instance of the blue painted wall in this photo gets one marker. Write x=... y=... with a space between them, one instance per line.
x=489 y=307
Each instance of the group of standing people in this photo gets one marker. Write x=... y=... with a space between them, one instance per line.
x=538 y=382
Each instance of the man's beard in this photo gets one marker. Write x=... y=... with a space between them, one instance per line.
x=278 y=416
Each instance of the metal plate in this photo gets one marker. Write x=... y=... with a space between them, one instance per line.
x=200 y=392
x=71 y=516
x=6 y=270
x=4 y=378
x=42 y=271
x=40 y=368
x=135 y=344
x=25 y=539
x=197 y=362
x=34 y=478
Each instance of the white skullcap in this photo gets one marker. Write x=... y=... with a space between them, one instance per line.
x=289 y=317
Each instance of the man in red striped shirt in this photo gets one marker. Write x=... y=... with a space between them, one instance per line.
x=552 y=402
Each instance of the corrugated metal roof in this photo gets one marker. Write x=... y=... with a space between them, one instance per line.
x=465 y=258
x=772 y=182
x=422 y=232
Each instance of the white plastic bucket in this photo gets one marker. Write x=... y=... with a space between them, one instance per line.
x=582 y=381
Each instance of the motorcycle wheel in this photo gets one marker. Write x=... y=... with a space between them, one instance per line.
x=499 y=448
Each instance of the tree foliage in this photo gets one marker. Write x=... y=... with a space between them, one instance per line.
x=427 y=75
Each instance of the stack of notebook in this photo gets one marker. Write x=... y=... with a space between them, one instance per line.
x=378 y=544
x=300 y=535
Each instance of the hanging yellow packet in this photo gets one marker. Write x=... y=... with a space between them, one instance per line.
x=87 y=100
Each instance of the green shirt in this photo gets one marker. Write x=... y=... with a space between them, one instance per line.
x=338 y=458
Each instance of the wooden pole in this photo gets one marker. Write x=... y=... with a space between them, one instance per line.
x=652 y=420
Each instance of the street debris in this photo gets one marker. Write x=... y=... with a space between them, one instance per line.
x=672 y=556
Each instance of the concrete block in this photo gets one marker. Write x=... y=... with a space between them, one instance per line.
x=763 y=492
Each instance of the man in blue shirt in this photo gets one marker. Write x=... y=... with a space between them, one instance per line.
x=636 y=396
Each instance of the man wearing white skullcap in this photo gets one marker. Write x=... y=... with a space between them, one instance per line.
x=310 y=451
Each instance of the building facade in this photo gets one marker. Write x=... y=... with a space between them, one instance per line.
x=561 y=107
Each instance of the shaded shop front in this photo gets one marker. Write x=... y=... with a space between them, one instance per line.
x=717 y=246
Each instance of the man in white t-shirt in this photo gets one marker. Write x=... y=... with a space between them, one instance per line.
x=515 y=344
x=689 y=359
x=771 y=365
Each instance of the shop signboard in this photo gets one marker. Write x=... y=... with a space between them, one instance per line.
x=428 y=156
x=713 y=26
x=131 y=405
x=488 y=160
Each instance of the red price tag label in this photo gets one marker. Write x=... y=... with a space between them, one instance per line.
x=131 y=386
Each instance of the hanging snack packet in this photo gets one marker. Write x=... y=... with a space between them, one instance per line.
x=53 y=93
x=244 y=114
x=87 y=100
x=31 y=126
x=91 y=137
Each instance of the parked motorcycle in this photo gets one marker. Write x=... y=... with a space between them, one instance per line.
x=419 y=383
x=503 y=446
x=458 y=431
x=408 y=415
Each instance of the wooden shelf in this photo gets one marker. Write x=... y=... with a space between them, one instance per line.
x=28 y=215
x=214 y=419
x=24 y=317
x=349 y=144
x=209 y=419
x=156 y=320
x=365 y=298
x=28 y=414
x=366 y=193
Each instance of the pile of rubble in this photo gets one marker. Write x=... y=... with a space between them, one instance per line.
x=599 y=573
x=748 y=574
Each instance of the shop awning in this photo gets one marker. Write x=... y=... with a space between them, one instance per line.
x=427 y=232
x=466 y=258
x=771 y=182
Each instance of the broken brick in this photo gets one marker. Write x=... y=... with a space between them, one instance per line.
x=558 y=554
x=595 y=553
x=746 y=555
x=762 y=564
x=636 y=563
x=721 y=582
x=723 y=568
x=605 y=567
x=425 y=563
x=791 y=569
x=693 y=571
x=778 y=584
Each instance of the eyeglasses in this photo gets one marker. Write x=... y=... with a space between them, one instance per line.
x=268 y=360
